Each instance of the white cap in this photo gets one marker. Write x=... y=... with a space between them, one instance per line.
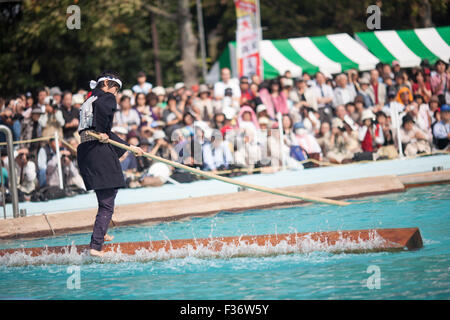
x=260 y=108
x=120 y=130
x=158 y=134
x=229 y=113
x=179 y=85
x=128 y=93
x=159 y=91
x=77 y=99
x=204 y=127
x=367 y=114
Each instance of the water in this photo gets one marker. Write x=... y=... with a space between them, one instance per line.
x=421 y=274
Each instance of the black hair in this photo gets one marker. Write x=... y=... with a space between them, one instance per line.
x=65 y=93
x=124 y=97
x=171 y=97
x=39 y=90
x=380 y=114
x=110 y=74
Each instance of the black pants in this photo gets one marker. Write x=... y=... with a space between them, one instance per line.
x=105 y=198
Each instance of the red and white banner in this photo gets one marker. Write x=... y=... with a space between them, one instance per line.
x=248 y=36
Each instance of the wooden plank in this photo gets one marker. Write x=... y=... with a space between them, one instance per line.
x=348 y=241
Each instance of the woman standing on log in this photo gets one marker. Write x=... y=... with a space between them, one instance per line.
x=97 y=159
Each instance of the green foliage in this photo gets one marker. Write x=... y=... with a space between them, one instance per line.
x=38 y=49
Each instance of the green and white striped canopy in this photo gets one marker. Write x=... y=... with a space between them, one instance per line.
x=408 y=47
x=329 y=54
x=335 y=53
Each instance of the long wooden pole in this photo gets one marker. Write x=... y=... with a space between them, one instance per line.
x=227 y=180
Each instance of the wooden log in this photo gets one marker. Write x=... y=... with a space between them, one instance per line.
x=348 y=241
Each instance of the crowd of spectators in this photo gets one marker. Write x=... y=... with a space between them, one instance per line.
x=235 y=124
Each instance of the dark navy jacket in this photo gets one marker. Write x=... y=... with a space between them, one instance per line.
x=99 y=162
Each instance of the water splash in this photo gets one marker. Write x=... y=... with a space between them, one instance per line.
x=303 y=245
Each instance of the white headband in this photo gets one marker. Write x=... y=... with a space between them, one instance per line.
x=94 y=83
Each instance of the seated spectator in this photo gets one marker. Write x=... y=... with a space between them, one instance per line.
x=419 y=111
x=246 y=94
x=274 y=99
x=339 y=143
x=32 y=129
x=172 y=116
x=71 y=175
x=188 y=122
x=144 y=110
x=179 y=91
x=310 y=119
x=377 y=90
x=143 y=163
x=302 y=97
x=441 y=130
x=70 y=114
x=42 y=99
x=217 y=154
x=227 y=83
x=404 y=96
x=142 y=85
x=56 y=95
x=343 y=92
x=414 y=140
x=248 y=152
x=127 y=117
x=440 y=82
x=421 y=87
x=128 y=161
x=382 y=120
x=218 y=121
x=307 y=141
x=278 y=152
x=324 y=139
x=366 y=92
x=161 y=146
x=26 y=174
x=370 y=134
x=247 y=120
x=203 y=104
x=325 y=97
x=52 y=120
x=352 y=112
x=7 y=119
x=256 y=100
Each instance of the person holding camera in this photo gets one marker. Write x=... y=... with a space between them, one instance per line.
x=26 y=174
x=52 y=119
x=71 y=175
x=370 y=134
